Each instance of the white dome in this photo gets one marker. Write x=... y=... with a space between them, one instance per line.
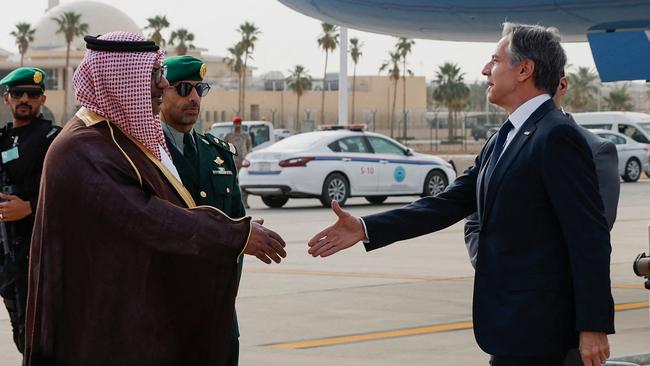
x=101 y=18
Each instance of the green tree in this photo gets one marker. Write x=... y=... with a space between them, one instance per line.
x=404 y=47
x=355 y=53
x=156 y=25
x=619 y=99
x=70 y=25
x=236 y=64
x=582 y=89
x=452 y=92
x=328 y=41
x=394 y=73
x=299 y=81
x=183 y=39
x=24 y=35
x=249 y=33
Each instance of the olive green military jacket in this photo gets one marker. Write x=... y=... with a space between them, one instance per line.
x=216 y=183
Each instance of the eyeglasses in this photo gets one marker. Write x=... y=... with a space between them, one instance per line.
x=18 y=93
x=158 y=73
x=184 y=88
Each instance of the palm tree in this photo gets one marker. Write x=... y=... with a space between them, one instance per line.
x=70 y=26
x=24 y=34
x=299 y=81
x=619 y=99
x=394 y=73
x=404 y=47
x=157 y=24
x=182 y=35
x=582 y=89
x=249 y=33
x=355 y=53
x=452 y=92
x=236 y=64
x=328 y=41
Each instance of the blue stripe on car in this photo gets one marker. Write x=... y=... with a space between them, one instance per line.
x=376 y=160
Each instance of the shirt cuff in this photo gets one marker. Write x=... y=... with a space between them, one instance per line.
x=366 y=238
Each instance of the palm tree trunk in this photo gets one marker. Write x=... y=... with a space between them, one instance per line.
x=392 y=115
x=322 y=99
x=22 y=56
x=239 y=104
x=243 y=87
x=354 y=89
x=450 y=123
x=404 y=102
x=297 y=125
x=65 y=83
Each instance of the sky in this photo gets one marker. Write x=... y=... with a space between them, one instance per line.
x=288 y=38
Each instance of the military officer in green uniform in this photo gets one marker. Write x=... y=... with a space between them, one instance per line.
x=205 y=163
x=23 y=144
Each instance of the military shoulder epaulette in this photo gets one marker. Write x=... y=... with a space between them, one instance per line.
x=221 y=144
x=53 y=132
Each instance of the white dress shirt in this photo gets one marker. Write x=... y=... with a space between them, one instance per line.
x=521 y=114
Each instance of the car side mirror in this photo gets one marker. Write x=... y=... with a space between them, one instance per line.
x=408 y=151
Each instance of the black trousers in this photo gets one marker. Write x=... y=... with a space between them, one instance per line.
x=572 y=358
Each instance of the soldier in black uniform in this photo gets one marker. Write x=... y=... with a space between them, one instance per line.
x=205 y=163
x=23 y=143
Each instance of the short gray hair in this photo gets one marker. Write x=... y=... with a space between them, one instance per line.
x=542 y=46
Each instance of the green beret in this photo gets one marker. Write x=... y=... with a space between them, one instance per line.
x=25 y=76
x=184 y=68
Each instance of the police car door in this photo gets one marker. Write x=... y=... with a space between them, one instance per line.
x=358 y=163
x=396 y=174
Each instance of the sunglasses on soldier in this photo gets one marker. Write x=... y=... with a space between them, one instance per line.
x=184 y=88
x=18 y=93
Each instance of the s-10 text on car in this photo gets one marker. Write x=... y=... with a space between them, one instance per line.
x=339 y=164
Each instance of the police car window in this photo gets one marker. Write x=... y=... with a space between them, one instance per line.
x=383 y=146
x=598 y=126
x=618 y=140
x=260 y=134
x=352 y=145
x=633 y=133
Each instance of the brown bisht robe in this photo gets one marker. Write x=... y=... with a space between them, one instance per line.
x=122 y=272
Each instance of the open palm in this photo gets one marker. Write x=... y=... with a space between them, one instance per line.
x=344 y=233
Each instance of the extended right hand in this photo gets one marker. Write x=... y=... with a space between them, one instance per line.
x=265 y=244
x=344 y=233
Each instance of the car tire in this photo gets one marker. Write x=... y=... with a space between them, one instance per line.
x=335 y=187
x=435 y=183
x=275 y=201
x=632 y=171
x=376 y=200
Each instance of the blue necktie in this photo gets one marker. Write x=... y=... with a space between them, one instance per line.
x=498 y=149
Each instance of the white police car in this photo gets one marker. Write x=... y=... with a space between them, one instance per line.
x=341 y=163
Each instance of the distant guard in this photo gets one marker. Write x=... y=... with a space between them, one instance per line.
x=23 y=143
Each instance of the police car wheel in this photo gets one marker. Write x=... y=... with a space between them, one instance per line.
x=376 y=200
x=275 y=201
x=632 y=170
x=435 y=183
x=335 y=187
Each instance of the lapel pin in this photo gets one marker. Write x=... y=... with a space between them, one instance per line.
x=218 y=160
x=526 y=133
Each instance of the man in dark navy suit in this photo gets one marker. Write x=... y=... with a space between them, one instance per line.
x=542 y=287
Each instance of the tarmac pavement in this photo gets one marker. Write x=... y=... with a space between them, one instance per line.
x=406 y=304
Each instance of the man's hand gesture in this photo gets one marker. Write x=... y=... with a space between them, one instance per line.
x=347 y=231
x=265 y=244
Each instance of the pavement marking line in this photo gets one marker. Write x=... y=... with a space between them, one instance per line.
x=359 y=274
x=396 y=333
x=391 y=276
x=332 y=341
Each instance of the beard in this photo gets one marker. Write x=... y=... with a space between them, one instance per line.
x=31 y=114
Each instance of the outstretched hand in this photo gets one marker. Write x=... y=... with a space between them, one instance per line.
x=344 y=233
x=265 y=244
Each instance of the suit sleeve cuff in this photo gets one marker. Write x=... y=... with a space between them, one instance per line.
x=366 y=238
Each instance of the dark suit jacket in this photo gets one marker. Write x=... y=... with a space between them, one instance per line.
x=609 y=185
x=543 y=260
